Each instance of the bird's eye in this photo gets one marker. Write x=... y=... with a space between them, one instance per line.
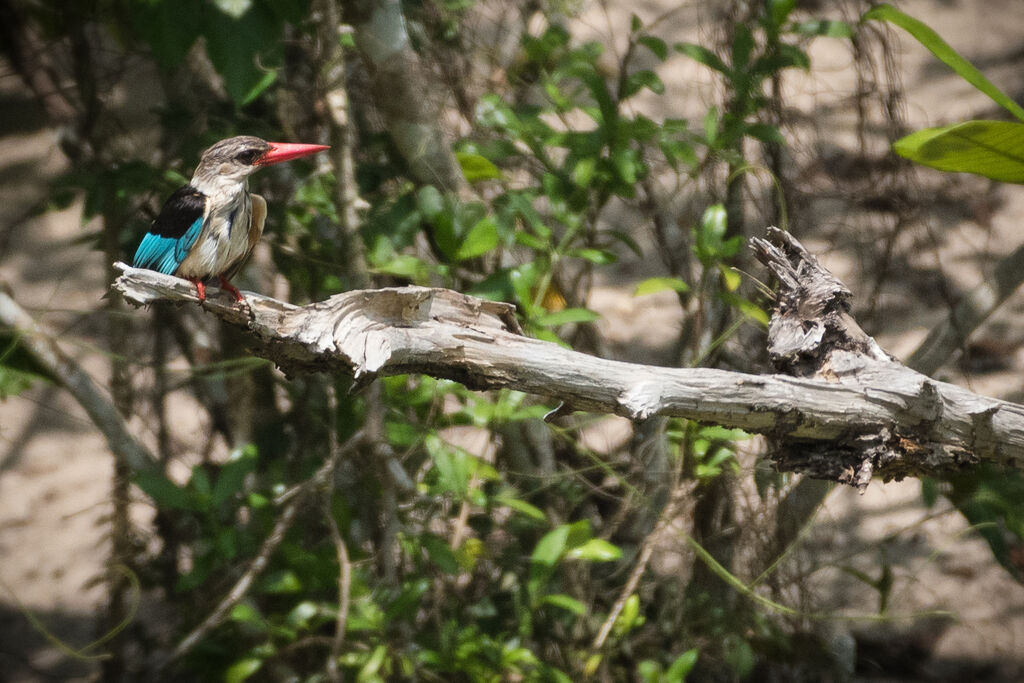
x=247 y=156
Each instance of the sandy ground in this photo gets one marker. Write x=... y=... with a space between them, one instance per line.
x=55 y=470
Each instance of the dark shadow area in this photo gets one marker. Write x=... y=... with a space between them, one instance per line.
x=27 y=654
x=19 y=112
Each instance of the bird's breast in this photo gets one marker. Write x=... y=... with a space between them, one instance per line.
x=224 y=239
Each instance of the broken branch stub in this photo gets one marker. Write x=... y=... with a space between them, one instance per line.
x=843 y=411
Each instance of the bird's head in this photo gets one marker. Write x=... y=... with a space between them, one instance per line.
x=233 y=159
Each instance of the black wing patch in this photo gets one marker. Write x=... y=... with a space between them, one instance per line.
x=179 y=212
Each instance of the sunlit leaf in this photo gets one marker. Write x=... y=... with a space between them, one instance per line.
x=660 y=284
x=681 y=667
x=599 y=256
x=994 y=149
x=242 y=670
x=233 y=8
x=595 y=550
x=245 y=613
x=282 y=581
x=480 y=239
x=731 y=277
x=565 y=602
x=476 y=167
x=550 y=547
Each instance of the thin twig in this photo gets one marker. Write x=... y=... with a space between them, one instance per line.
x=668 y=514
x=344 y=585
x=241 y=587
x=259 y=563
x=41 y=344
x=344 y=564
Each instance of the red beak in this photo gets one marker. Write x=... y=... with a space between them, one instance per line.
x=286 y=151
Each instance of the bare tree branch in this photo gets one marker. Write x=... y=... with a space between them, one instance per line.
x=974 y=309
x=41 y=344
x=402 y=92
x=845 y=411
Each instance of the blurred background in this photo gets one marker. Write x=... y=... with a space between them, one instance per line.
x=598 y=163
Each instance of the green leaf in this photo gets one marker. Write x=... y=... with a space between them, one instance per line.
x=440 y=554
x=704 y=56
x=169 y=28
x=232 y=476
x=480 y=239
x=300 y=615
x=655 y=45
x=638 y=80
x=164 y=492
x=242 y=669
x=405 y=265
x=550 y=547
x=649 y=671
x=242 y=48
x=13 y=381
x=568 y=315
x=369 y=670
x=565 y=602
x=628 y=166
x=282 y=582
x=938 y=47
x=994 y=149
x=583 y=171
x=742 y=46
x=599 y=256
x=713 y=221
x=244 y=613
x=521 y=506
x=681 y=667
x=730 y=277
x=765 y=133
x=823 y=27
x=628 y=240
x=739 y=656
x=595 y=550
x=779 y=10
x=430 y=202
x=476 y=168
x=233 y=8
x=660 y=284
x=629 y=617
x=261 y=85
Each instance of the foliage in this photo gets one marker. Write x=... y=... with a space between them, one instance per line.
x=994 y=149
x=445 y=559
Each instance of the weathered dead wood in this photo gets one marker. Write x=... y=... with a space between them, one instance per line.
x=844 y=411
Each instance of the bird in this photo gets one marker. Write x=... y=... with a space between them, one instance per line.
x=208 y=228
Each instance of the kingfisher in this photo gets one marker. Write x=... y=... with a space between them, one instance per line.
x=208 y=228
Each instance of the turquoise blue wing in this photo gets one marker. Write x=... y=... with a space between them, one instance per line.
x=165 y=254
x=173 y=233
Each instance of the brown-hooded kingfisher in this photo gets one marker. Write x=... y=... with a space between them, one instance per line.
x=209 y=227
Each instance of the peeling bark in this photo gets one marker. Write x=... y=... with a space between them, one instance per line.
x=845 y=411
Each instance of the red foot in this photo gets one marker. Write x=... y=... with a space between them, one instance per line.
x=200 y=289
x=224 y=284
